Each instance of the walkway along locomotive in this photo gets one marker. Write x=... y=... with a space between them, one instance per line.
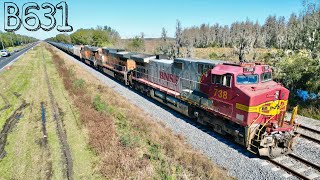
x=238 y=100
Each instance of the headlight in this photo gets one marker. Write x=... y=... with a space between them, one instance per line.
x=276 y=96
x=275 y=126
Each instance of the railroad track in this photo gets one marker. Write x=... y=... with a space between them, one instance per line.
x=297 y=166
x=309 y=131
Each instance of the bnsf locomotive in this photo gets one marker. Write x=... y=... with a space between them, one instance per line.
x=238 y=100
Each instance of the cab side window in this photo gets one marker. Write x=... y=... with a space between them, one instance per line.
x=216 y=79
x=225 y=80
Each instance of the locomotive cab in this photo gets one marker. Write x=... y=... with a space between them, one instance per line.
x=246 y=95
x=250 y=98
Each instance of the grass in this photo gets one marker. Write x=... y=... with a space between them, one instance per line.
x=27 y=157
x=129 y=143
x=229 y=54
x=79 y=83
x=11 y=49
x=309 y=109
x=310 y=112
x=98 y=104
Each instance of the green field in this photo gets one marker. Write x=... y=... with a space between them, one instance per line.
x=26 y=155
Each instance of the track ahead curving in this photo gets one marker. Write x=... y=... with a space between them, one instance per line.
x=65 y=148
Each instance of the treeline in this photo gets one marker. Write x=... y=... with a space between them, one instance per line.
x=296 y=40
x=11 y=39
x=99 y=36
x=300 y=31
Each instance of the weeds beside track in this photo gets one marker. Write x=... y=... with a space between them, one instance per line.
x=59 y=127
x=129 y=143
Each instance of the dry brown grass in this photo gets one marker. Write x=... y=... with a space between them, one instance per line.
x=227 y=54
x=129 y=143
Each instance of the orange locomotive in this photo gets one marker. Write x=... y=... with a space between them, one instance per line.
x=240 y=100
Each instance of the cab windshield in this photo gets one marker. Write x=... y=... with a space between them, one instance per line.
x=247 y=79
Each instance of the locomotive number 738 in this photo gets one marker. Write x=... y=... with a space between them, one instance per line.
x=220 y=93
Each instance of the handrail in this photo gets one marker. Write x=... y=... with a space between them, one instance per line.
x=264 y=125
x=249 y=133
x=251 y=125
x=293 y=115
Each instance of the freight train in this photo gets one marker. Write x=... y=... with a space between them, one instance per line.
x=237 y=100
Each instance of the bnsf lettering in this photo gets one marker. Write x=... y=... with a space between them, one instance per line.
x=168 y=77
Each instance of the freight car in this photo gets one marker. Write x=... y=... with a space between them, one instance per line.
x=238 y=100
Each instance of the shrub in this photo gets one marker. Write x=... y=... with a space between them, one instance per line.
x=71 y=71
x=79 y=83
x=98 y=104
x=213 y=56
x=136 y=44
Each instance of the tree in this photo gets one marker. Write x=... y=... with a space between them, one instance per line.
x=243 y=37
x=178 y=38
x=164 y=34
x=204 y=35
x=9 y=39
x=270 y=30
x=293 y=29
x=168 y=49
x=281 y=32
x=100 y=36
x=299 y=71
x=136 y=44
x=82 y=36
x=65 y=38
x=2 y=44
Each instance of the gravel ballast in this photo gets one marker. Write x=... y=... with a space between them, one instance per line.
x=239 y=163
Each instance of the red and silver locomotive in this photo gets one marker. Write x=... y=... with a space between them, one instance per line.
x=238 y=100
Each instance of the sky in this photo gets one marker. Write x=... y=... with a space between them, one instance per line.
x=131 y=17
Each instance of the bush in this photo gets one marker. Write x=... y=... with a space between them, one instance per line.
x=98 y=104
x=136 y=44
x=299 y=72
x=71 y=71
x=78 y=83
x=213 y=56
